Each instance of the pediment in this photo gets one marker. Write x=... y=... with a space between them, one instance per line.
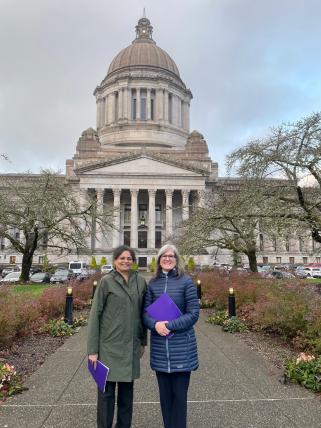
x=140 y=166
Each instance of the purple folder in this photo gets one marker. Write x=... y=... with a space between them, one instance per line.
x=99 y=374
x=163 y=309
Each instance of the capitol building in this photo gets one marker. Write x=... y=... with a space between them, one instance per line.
x=143 y=163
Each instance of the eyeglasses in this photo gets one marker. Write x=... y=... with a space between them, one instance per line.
x=169 y=257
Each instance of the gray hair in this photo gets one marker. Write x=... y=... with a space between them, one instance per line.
x=179 y=260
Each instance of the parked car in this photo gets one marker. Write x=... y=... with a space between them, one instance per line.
x=312 y=272
x=11 y=277
x=61 y=276
x=106 y=268
x=9 y=269
x=280 y=274
x=300 y=272
x=39 y=277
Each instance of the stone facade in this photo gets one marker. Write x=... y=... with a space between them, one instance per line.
x=142 y=162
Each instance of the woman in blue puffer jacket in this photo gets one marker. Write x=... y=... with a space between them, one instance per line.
x=173 y=353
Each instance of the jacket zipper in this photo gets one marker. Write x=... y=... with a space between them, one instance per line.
x=166 y=338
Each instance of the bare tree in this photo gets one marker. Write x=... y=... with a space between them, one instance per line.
x=231 y=219
x=291 y=151
x=43 y=211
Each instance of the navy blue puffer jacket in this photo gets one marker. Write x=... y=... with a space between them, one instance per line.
x=177 y=353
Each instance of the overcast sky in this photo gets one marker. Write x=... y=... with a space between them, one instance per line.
x=250 y=64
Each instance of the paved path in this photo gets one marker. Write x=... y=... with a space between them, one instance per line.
x=234 y=387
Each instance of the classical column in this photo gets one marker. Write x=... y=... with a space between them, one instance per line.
x=134 y=219
x=138 y=104
x=166 y=106
x=159 y=104
x=83 y=205
x=151 y=218
x=169 y=212
x=148 y=113
x=187 y=116
x=100 y=211
x=179 y=113
x=116 y=230
x=120 y=103
x=185 y=204
x=106 y=110
x=110 y=108
x=201 y=198
x=125 y=105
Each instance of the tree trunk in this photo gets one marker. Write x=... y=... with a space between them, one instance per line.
x=252 y=260
x=26 y=265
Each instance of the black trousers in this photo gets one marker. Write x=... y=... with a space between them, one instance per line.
x=173 y=389
x=106 y=405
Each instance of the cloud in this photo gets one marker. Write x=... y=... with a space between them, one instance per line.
x=250 y=65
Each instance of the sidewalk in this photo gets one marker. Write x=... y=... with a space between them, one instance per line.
x=234 y=387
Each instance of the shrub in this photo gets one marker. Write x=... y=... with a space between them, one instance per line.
x=52 y=302
x=103 y=261
x=79 y=321
x=218 y=317
x=93 y=263
x=234 y=325
x=152 y=265
x=58 y=328
x=305 y=370
x=10 y=382
x=191 y=264
x=134 y=267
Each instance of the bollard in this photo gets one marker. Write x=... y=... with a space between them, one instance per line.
x=199 y=290
x=68 y=308
x=94 y=289
x=231 y=303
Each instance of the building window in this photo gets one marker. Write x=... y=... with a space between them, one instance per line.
x=127 y=213
x=265 y=260
x=261 y=242
x=142 y=212
x=274 y=244
x=182 y=114
x=291 y=260
x=152 y=108
x=158 y=239
x=134 y=105
x=13 y=260
x=127 y=237
x=287 y=244
x=17 y=235
x=142 y=239
x=143 y=104
x=41 y=259
x=318 y=259
x=300 y=244
x=170 y=108
x=158 y=213
x=2 y=246
x=304 y=260
x=279 y=260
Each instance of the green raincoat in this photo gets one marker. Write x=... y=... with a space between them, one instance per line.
x=115 y=329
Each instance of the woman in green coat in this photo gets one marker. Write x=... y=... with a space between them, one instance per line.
x=117 y=336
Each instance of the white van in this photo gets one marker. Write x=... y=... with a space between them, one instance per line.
x=78 y=266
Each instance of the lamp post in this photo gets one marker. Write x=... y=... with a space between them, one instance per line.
x=94 y=289
x=68 y=307
x=199 y=290
x=231 y=303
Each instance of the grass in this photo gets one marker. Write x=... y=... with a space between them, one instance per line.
x=35 y=289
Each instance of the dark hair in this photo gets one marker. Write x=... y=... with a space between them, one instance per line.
x=117 y=252
x=179 y=262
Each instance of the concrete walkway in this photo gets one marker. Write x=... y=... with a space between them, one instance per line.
x=234 y=387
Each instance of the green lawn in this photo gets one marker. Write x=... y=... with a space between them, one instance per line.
x=34 y=289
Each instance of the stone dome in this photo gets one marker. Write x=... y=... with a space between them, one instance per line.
x=143 y=52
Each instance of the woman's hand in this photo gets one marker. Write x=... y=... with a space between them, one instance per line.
x=93 y=359
x=161 y=328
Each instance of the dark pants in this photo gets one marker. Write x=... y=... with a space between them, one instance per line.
x=173 y=398
x=106 y=405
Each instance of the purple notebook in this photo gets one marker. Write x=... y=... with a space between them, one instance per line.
x=99 y=374
x=163 y=309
